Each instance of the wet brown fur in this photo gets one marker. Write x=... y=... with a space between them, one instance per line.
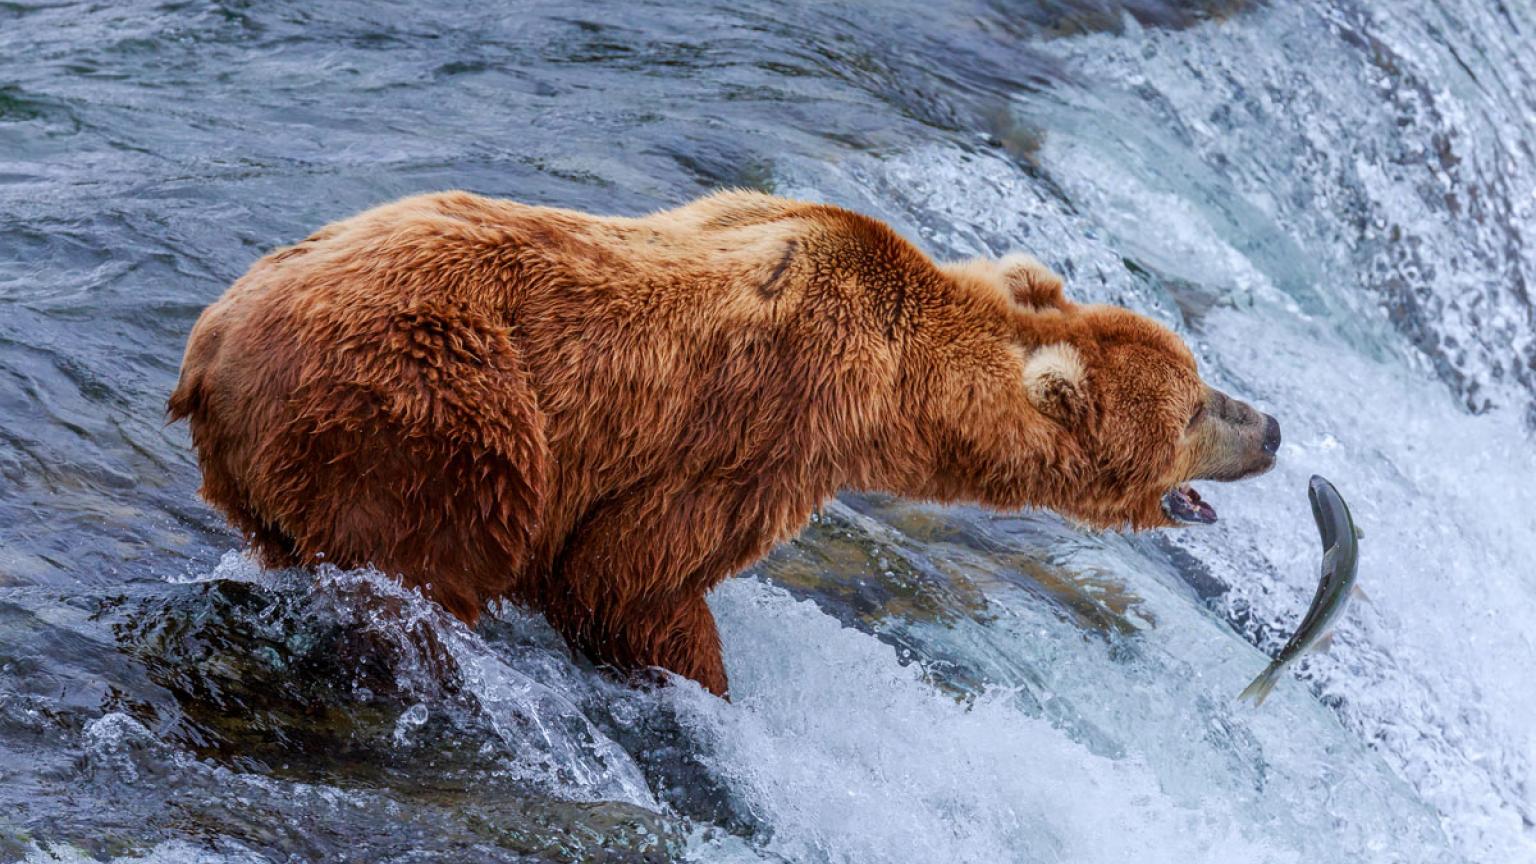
x=602 y=418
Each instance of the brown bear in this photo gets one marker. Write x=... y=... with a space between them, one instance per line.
x=601 y=418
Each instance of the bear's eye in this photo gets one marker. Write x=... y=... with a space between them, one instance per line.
x=1199 y=412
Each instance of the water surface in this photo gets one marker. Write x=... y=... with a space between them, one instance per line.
x=1330 y=200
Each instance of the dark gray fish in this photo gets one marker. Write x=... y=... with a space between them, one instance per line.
x=1341 y=550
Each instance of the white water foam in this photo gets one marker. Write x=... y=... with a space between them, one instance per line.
x=850 y=756
x=170 y=852
x=1427 y=672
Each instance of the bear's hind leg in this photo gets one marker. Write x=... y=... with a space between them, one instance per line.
x=221 y=488
x=419 y=450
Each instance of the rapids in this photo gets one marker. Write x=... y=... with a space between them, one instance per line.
x=1329 y=198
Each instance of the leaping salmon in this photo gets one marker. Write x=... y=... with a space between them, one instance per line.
x=1341 y=550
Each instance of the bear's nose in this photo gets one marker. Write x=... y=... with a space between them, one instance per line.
x=1271 y=435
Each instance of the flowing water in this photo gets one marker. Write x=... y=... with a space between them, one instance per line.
x=1329 y=198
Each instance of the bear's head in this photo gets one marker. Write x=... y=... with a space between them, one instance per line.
x=1096 y=412
x=1126 y=394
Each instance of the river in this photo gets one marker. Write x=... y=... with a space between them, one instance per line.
x=1330 y=199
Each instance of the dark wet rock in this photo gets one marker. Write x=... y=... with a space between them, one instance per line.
x=259 y=716
x=907 y=573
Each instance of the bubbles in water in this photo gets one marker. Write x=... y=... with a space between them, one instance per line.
x=412 y=718
x=110 y=742
x=170 y=852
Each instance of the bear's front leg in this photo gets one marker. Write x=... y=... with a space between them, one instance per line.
x=681 y=639
x=677 y=635
x=628 y=587
x=634 y=599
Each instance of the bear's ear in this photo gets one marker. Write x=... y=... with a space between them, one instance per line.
x=1057 y=383
x=1031 y=283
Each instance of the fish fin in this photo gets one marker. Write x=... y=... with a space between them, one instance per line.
x=1259 y=689
x=1361 y=595
x=1359 y=535
x=1322 y=645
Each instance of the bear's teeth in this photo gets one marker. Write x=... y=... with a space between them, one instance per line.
x=1184 y=504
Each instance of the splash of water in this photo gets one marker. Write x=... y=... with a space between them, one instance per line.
x=556 y=747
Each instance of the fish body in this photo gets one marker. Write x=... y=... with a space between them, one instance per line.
x=1341 y=550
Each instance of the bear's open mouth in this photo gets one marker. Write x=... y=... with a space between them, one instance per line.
x=1184 y=504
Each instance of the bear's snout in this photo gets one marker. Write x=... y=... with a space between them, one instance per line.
x=1239 y=441
x=1271 y=435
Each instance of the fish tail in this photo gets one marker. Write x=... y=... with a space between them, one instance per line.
x=1259 y=689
